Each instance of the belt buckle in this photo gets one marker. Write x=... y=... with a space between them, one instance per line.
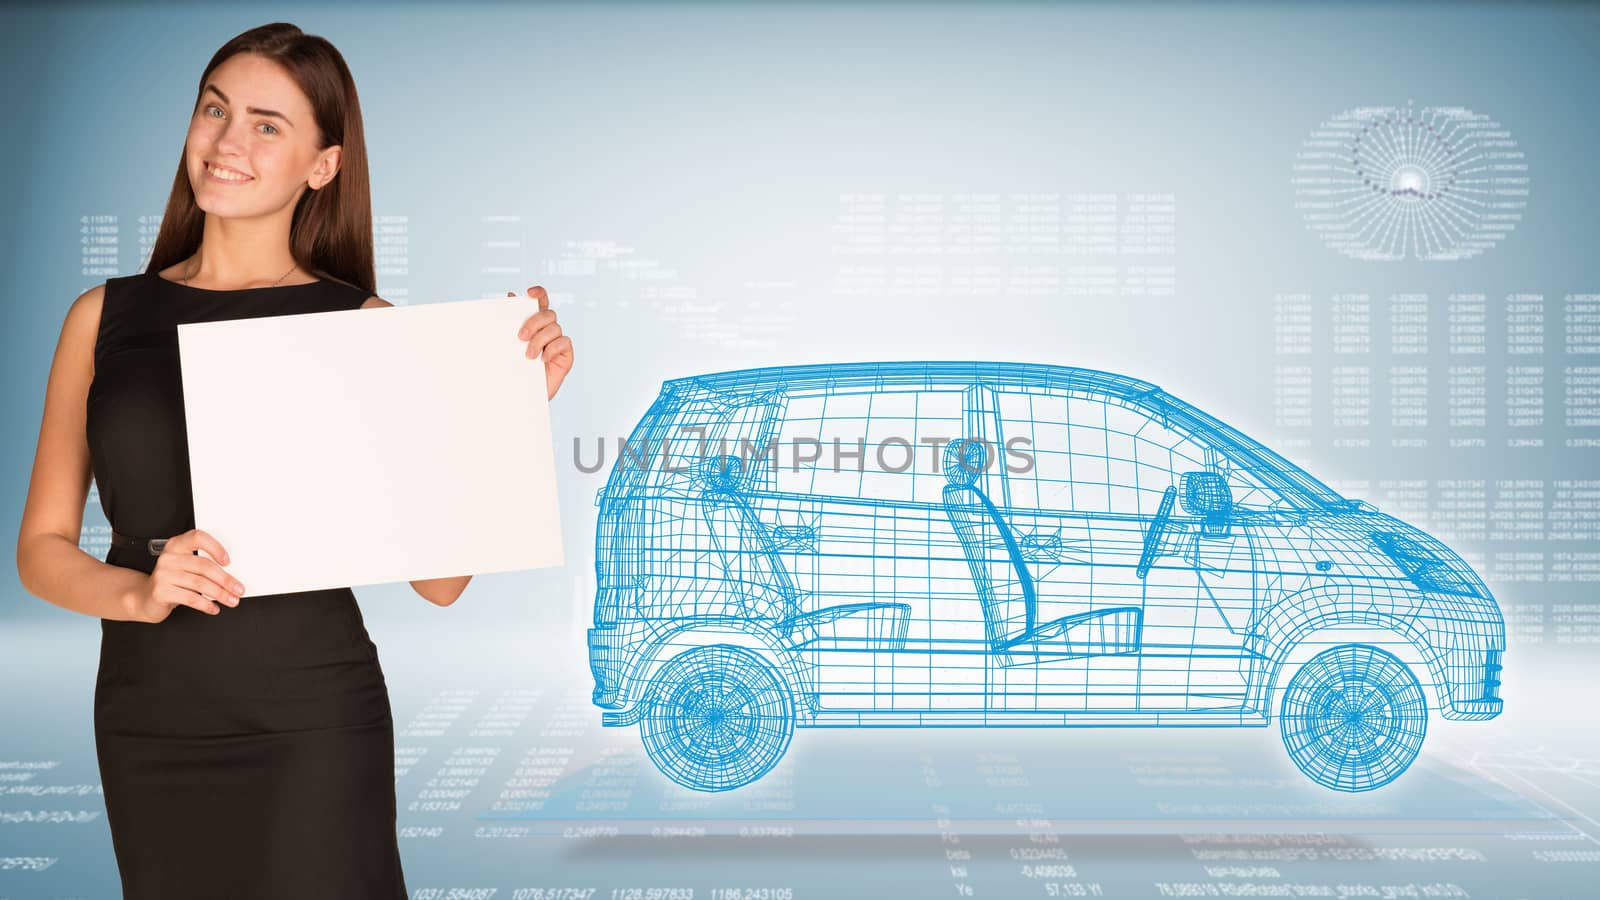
x=154 y=545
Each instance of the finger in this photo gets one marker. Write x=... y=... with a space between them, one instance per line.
x=204 y=601
x=559 y=348
x=208 y=567
x=541 y=337
x=182 y=596
x=535 y=322
x=540 y=294
x=217 y=577
x=204 y=541
x=205 y=587
x=511 y=293
x=205 y=604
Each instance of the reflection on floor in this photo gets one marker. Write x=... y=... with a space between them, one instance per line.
x=509 y=787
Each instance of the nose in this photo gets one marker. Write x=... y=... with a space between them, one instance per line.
x=230 y=141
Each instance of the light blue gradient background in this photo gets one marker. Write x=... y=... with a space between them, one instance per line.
x=716 y=139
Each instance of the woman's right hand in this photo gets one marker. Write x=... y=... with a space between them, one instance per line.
x=183 y=578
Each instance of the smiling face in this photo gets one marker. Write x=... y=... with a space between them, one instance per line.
x=252 y=144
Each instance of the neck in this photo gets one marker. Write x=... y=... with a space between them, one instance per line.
x=243 y=253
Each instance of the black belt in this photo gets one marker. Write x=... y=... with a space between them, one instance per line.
x=150 y=545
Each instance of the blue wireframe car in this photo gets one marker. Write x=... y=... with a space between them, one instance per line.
x=932 y=544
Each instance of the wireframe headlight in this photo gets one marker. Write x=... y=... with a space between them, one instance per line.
x=1427 y=567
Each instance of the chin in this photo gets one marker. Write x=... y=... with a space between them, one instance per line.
x=211 y=207
x=229 y=208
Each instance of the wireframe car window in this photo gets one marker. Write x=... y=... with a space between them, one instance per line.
x=1247 y=490
x=870 y=445
x=1093 y=454
x=673 y=448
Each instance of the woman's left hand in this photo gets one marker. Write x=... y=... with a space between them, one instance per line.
x=545 y=340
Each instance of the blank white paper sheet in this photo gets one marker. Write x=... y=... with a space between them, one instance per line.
x=369 y=446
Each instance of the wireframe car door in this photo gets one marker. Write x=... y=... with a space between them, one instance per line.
x=1115 y=561
x=885 y=620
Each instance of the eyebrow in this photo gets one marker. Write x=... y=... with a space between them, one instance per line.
x=252 y=109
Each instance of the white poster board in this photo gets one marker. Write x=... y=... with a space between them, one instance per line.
x=368 y=446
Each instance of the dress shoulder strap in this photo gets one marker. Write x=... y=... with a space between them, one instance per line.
x=114 y=311
x=354 y=296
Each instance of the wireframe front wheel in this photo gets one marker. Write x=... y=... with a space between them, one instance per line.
x=1354 y=718
x=719 y=717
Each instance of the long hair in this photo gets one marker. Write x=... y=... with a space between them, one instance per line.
x=330 y=233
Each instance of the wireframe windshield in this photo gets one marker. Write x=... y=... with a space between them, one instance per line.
x=1262 y=461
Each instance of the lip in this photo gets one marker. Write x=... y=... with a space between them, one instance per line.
x=214 y=178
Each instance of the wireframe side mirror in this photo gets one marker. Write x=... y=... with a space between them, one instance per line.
x=1206 y=494
x=721 y=473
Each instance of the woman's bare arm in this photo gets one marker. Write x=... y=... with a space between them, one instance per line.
x=49 y=561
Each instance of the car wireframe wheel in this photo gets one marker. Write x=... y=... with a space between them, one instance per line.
x=719 y=717
x=1354 y=718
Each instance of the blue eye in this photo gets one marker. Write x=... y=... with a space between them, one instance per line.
x=271 y=126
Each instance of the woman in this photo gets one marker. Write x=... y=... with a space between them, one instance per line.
x=246 y=749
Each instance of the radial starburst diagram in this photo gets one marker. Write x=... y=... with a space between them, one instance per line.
x=1390 y=183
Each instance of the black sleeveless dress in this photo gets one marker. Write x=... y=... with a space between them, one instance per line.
x=250 y=753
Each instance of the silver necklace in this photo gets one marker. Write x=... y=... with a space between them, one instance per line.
x=185 y=279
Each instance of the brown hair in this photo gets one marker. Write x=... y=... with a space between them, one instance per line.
x=330 y=234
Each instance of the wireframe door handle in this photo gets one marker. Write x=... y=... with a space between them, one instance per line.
x=794 y=537
x=1040 y=546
